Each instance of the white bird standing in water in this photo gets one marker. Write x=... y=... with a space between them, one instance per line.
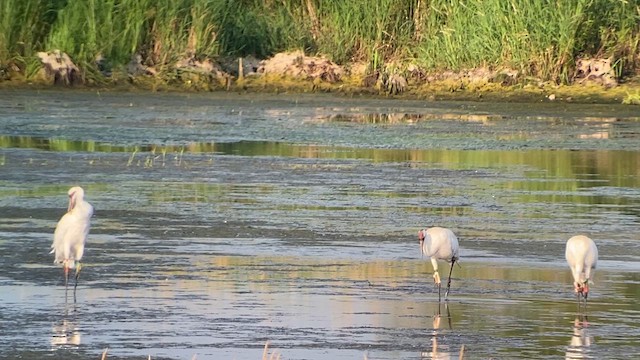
x=71 y=233
x=582 y=257
x=439 y=244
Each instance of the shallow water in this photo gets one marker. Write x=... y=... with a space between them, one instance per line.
x=224 y=221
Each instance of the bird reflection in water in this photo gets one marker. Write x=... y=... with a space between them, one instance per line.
x=66 y=332
x=439 y=352
x=580 y=339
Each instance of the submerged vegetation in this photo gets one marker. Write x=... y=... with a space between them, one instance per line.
x=536 y=39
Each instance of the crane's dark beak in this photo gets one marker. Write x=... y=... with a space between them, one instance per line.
x=585 y=290
x=577 y=288
x=72 y=202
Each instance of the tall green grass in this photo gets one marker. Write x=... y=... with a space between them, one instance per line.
x=261 y=28
x=161 y=30
x=364 y=30
x=540 y=38
x=24 y=26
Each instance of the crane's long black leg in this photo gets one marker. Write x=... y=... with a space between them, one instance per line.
x=446 y=295
x=439 y=294
x=75 y=286
x=585 y=302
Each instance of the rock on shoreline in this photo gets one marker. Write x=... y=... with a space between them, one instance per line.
x=59 y=69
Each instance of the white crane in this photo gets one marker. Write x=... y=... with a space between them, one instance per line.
x=439 y=244
x=582 y=257
x=71 y=234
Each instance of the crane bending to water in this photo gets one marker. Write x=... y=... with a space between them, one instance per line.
x=439 y=244
x=582 y=257
x=71 y=234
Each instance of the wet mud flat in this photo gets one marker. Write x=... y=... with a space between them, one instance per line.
x=223 y=222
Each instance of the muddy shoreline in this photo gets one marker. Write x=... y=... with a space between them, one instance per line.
x=297 y=73
x=436 y=91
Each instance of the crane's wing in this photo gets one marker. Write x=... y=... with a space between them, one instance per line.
x=59 y=246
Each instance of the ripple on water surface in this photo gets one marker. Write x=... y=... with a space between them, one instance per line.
x=224 y=221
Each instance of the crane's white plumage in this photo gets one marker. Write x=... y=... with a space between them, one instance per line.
x=439 y=244
x=582 y=257
x=72 y=230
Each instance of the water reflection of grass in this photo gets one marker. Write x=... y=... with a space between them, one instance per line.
x=149 y=159
x=66 y=145
x=581 y=168
x=47 y=190
x=392 y=272
x=295 y=268
x=610 y=164
x=406 y=118
x=494 y=276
